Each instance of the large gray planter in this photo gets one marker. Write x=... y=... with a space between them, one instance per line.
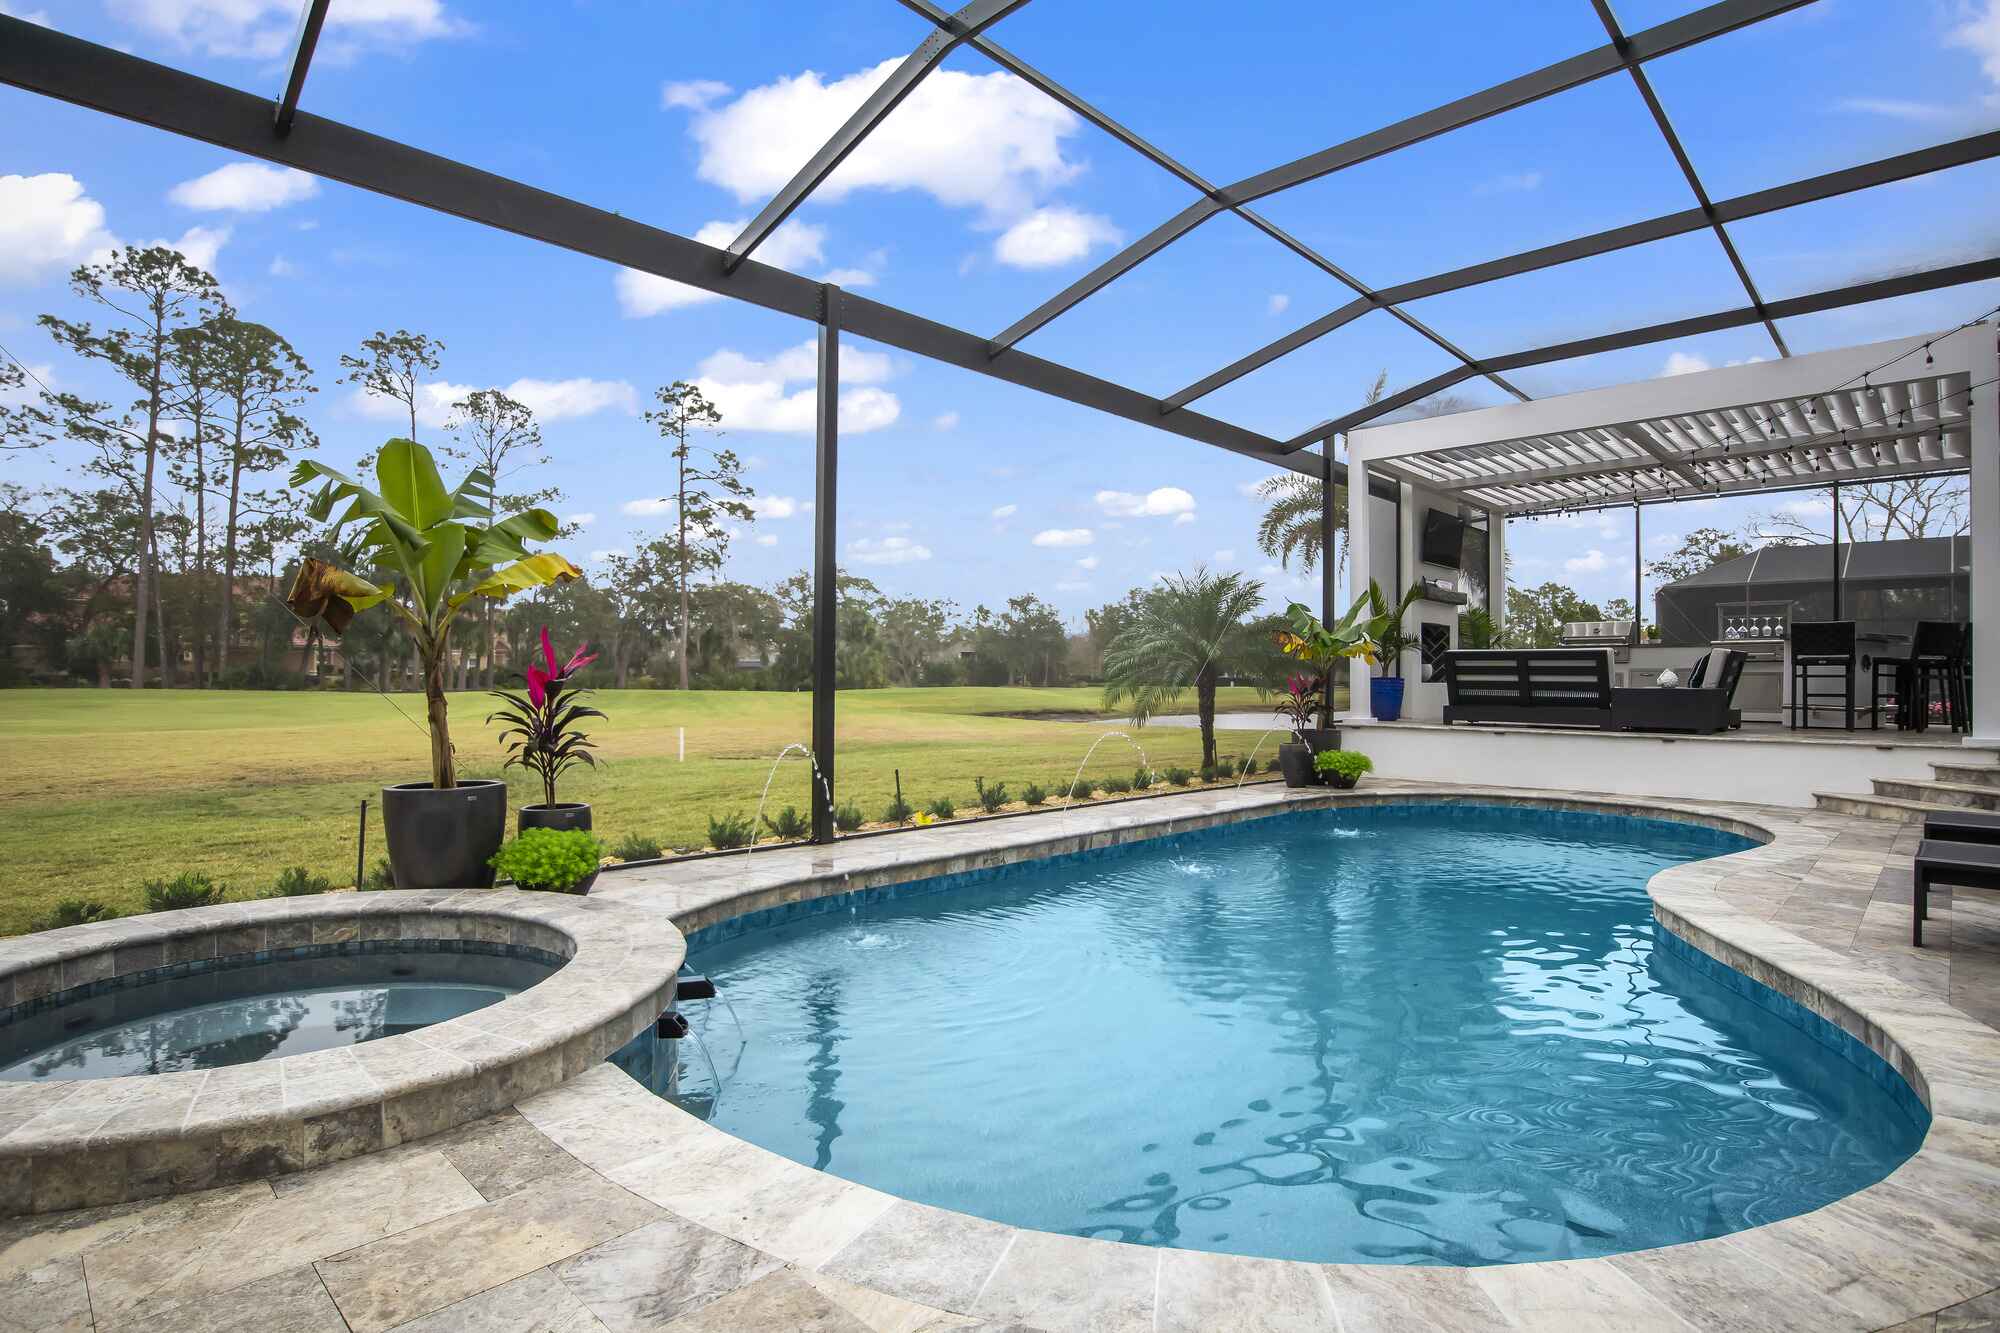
x=444 y=839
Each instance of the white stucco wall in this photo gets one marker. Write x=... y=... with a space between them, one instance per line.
x=1774 y=772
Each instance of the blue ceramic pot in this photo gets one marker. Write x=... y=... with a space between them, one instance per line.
x=1385 y=698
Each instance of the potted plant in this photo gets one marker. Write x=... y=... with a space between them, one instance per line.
x=548 y=860
x=1385 y=692
x=449 y=550
x=1342 y=768
x=541 y=734
x=1321 y=646
x=1295 y=760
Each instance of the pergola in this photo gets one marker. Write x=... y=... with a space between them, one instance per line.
x=60 y=66
x=1918 y=406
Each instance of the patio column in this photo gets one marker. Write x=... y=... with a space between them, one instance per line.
x=826 y=561
x=1357 y=564
x=1984 y=519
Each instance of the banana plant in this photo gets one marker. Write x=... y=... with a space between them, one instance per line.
x=1370 y=629
x=448 y=547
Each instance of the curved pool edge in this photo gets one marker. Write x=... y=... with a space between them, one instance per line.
x=1924 y=1238
x=75 y=1143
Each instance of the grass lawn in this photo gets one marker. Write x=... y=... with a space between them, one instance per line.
x=107 y=788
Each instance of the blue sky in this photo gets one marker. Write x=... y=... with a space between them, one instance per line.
x=977 y=201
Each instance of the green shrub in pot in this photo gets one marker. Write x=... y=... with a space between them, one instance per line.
x=1343 y=768
x=550 y=860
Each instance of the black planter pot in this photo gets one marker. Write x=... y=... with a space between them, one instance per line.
x=1296 y=762
x=1342 y=782
x=1321 y=739
x=444 y=839
x=582 y=886
x=561 y=816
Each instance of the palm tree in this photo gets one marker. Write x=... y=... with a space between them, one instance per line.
x=1290 y=526
x=1188 y=631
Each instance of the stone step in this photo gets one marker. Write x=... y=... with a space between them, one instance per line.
x=1979 y=775
x=1894 y=808
x=1964 y=795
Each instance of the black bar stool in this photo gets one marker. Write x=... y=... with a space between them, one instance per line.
x=1829 y=646
x=1938 y=655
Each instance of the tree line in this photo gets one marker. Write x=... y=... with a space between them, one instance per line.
x=165 y=559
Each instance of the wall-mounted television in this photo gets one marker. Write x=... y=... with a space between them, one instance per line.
x=1444 y=539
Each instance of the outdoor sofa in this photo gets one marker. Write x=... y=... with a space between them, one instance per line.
x=1571 y=687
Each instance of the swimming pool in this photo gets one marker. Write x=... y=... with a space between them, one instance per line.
x=1406 y=1033
x=235 y=1011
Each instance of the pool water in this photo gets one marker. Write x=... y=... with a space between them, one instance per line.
x=233 y=1015
x=1413 y=1034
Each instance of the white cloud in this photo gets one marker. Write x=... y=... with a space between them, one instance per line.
x=38 y=17
x=1224 y=557
x=1517 y=182
x=580 y=520
x=693 y=94
x=1160 y=503
x=1895 y=108
x=646 y=508
x=556 y=400
x=1980 y=34
x=245 y=187
x=1072 y=585
x=282 y=267
x=1052 y=236
x=777 y=506
x=846 y=277
x=766 y=539
x=263 y=29
x=599 y=557
x=945 y=421
x=199 y=245
x=549 y=400
x=48 y=224
x=887 y=551
x=1277 y=303
x=1088 y=562
x=1179 y=519
x=754 y=395
x=795 y=245
x=1592 y=561
x=984 y=141
x=1005 y=511
x=1687 y=363
x=1064 y=537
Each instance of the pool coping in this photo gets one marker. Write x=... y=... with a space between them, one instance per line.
x=1924 y=1238
x=72 y=1143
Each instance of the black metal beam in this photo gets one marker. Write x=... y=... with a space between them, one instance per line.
x=826 y=560
x=54 y=64
x=1832 y=184
x=1686 y=164
x=970 y=22
x=1882 y=289
x=310 y=22
x=1028 y=74
x=1663 y=39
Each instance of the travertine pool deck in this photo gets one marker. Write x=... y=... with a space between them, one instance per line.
x=599 y=1206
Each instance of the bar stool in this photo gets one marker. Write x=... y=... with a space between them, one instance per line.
x=1823 y=644
x=1938 y=654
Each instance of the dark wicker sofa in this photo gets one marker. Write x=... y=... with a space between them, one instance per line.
x=1563 y=687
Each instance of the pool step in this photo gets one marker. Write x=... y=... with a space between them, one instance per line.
x=1965 y=795
x=1980 y=775
x=1896 y=808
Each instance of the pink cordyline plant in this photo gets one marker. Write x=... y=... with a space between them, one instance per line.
x=541 y=733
